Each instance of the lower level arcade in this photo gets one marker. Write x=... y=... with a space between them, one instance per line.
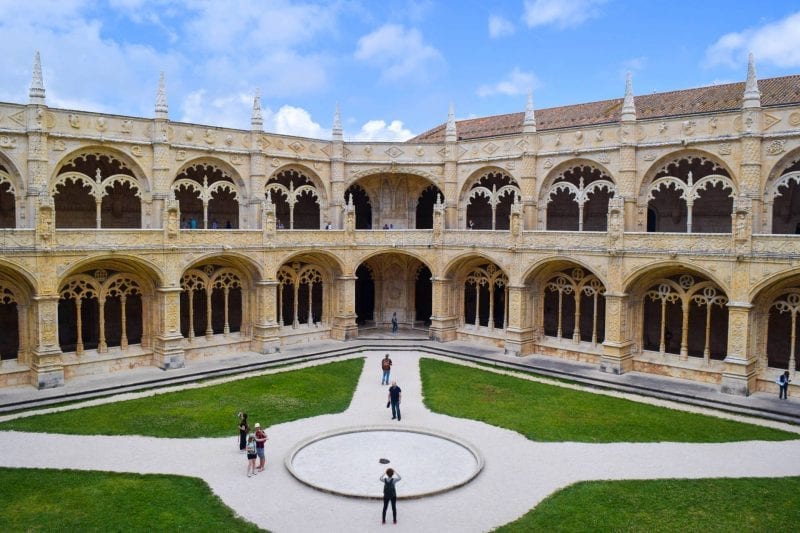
x=111 y=314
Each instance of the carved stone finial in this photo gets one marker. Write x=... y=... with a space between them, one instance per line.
x=162 y=109
x=336 y=130
x=36 y=93
x=350 y=201
x=628 y=106
x=752 y=96
x=450 y=134
x=256 y=119
x=529 y=124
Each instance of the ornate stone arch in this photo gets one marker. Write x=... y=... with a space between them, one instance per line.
x=210 y=193
x=100 y=188
x=681 y=180
x=781 y=196
x=304 y=187
x=486 y=198
x=578 y=182
x=357 y=175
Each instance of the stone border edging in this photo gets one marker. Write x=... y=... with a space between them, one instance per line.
x=288 y=461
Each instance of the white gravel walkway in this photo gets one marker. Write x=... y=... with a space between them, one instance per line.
x=517 y=475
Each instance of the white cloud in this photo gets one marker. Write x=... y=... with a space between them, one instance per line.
x=290 y=120
x=231 y=111
x=560 y=13
x=399 y=52
x=500 y=27
x=777 y=43
x=378 y=130
x=517 y=82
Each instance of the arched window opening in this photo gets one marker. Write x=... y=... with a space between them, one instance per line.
x=300 y=295
x=296 y=199
x=8 y=202
x=98 y=310
x=208 y=198
x=578 y=200
x=362 y=205
x=486 y=297
x=365 y=295
x=9 y=323
x=427 y=199
x=692 y=194
x=96 y=191
x=423 y=296
x=211 y=302
x=680 y=313
x=489 y=202
x=782 y=331
x=785 y=198
x=574 y=307
x=119 y=210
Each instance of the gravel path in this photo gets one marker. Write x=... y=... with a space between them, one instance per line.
x=517 y=475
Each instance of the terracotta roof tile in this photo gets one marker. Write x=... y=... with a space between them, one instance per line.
x=774 y=92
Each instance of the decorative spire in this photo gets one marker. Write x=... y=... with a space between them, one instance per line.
x=450 y=134
x=162 y=109
x=36 y=93
x=256 y=119
x=752 y=96
x=529 y=124
x=628 y=107
x=336 y=130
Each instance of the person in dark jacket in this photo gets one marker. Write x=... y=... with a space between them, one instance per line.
x=389 y=479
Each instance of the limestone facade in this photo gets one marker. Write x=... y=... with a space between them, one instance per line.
x=653 y=240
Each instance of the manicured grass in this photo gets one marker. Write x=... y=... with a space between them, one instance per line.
x=211 y=411
x=743 y=504
x=550 y=413
x=71 y=500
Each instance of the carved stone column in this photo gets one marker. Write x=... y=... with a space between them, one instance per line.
x=168 y=352
x=344 y=321
x=739 y=376
x=265 y=330
x=519 y=333
x=443 y=323
x=47 y=370
x=616 y=358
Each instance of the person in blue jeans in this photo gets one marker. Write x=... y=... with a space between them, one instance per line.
x=386 y=366
x=394 y=399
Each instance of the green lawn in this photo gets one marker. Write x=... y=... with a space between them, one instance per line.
x=70 y=500
x=211 y=411
x=550 y=413
x=703 y=505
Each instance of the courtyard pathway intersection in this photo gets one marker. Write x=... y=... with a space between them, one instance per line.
x=517 y=475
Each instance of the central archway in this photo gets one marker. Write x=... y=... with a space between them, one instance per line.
x=393 y=284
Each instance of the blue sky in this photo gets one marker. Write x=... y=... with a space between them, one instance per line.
x=393 y=66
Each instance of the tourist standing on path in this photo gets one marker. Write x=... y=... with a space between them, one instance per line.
x=394 y=323
x=783 y=385
x=394 y=399
x=261 y=439
x=243 y=430
x=251 y=455
x=386 y=366
x=389 y=493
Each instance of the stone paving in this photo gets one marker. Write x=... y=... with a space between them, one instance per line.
x=517 y=475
